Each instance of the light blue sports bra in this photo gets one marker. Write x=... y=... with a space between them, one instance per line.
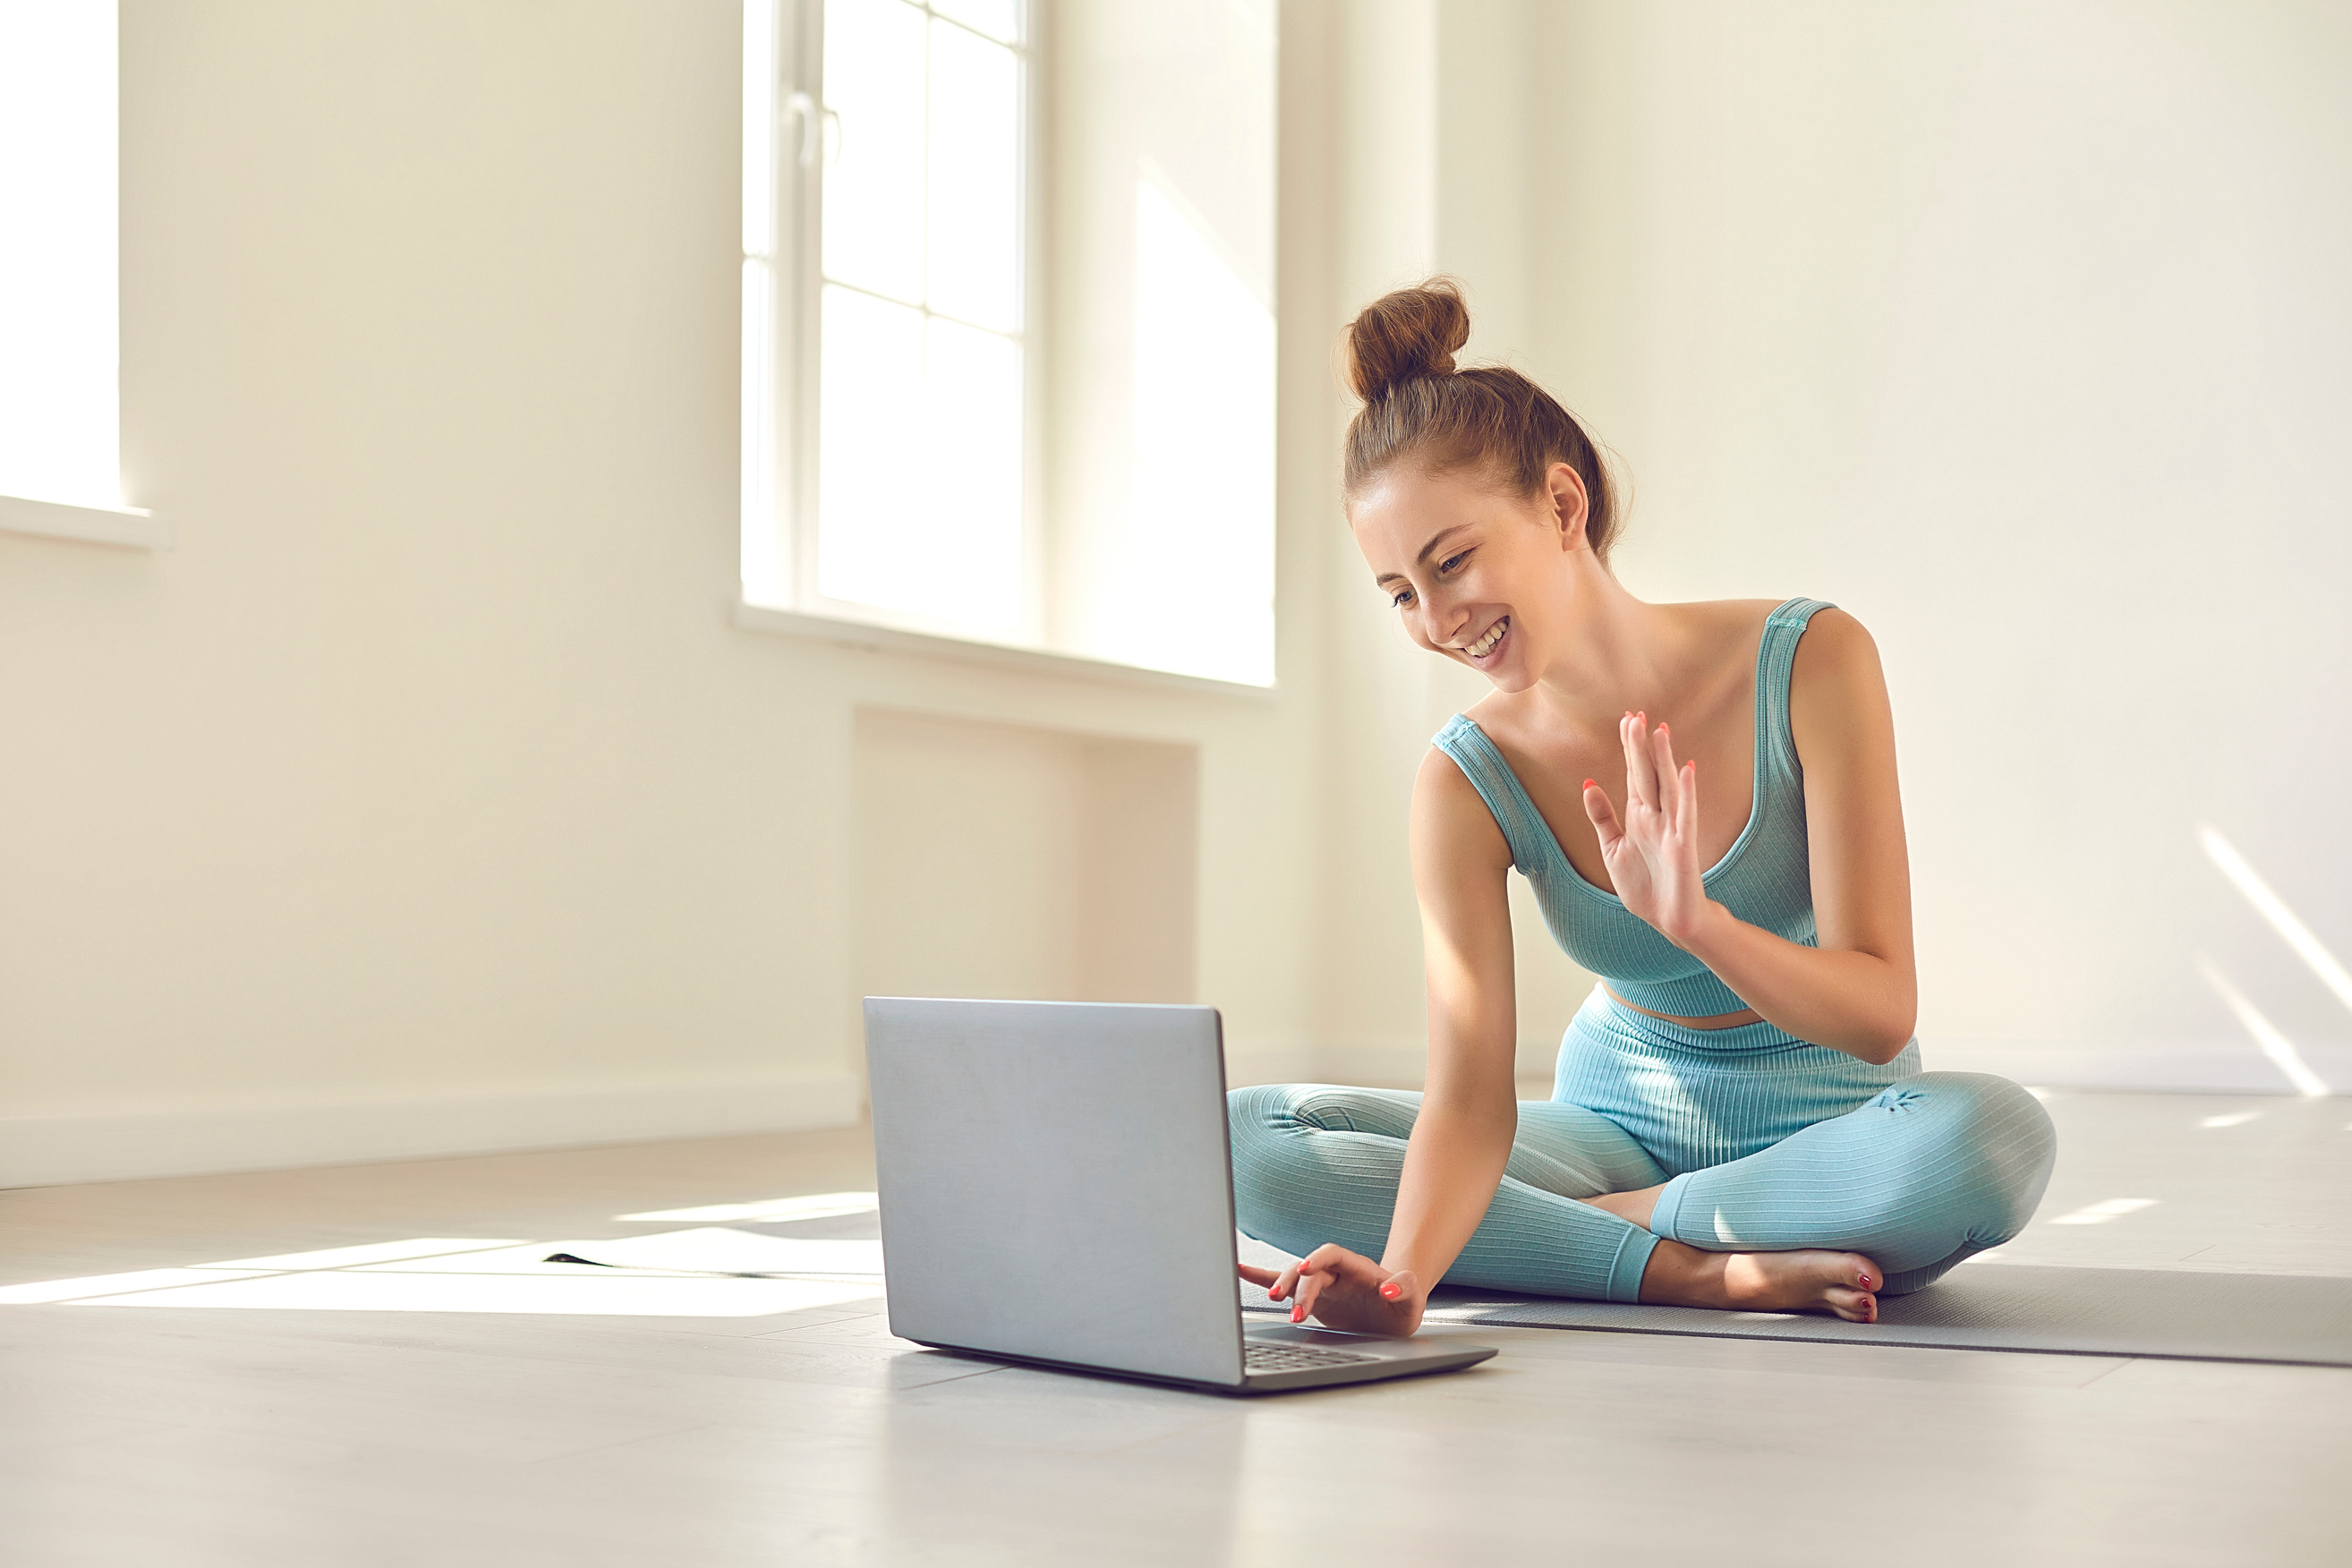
x=1764 y=878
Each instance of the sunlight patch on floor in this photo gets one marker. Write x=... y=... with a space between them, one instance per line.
x=702 y=1273
x=2104 y=1211
x=820 y=1205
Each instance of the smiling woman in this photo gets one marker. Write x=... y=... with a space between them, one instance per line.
x=1740 y=1116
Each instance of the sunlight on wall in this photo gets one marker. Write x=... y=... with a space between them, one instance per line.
x=2275 y=910
x=1161 y=336
x=2267 y=1035
x=59 y=419
x=1202 y=510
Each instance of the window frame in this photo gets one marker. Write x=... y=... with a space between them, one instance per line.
x=783 y=441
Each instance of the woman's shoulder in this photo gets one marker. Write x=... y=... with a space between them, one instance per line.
x=1835 y=674
x=1834 y=642
x=1452 y=816
x=1832 y=638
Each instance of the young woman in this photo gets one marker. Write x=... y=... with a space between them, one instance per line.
x=1740 y=1117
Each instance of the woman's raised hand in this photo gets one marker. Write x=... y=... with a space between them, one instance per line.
x=1344 y=1289
x=1652 y=852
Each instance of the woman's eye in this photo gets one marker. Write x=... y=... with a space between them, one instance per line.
x=1451 y=562
x=1402 y=597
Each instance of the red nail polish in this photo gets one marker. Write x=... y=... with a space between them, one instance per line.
x=1590 y=785
x=1662 y=728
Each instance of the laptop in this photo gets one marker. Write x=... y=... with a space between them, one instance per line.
x=1056 y=1189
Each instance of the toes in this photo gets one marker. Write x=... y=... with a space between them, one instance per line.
x=1864 y=1273
x=1854 y=1306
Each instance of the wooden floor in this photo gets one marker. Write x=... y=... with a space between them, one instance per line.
x=488 y=1418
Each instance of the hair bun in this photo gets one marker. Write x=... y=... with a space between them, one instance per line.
x=1406 y=335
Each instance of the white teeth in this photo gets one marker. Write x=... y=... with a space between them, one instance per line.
x=1486 y=645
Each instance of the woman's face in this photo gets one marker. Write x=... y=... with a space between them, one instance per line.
x=1480 y=575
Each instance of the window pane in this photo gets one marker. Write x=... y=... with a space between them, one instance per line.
x=1000 y=19
x=871 y=384
x=967 y=561
x=874 y=187
x=759 y=68
x=919 y=478
x=59 y=411
x=976 y=179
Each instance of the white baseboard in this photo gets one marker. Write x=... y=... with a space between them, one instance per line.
x=2177 y=1069
x=48 y=1150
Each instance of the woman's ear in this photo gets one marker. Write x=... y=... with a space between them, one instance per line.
x=1564 y=493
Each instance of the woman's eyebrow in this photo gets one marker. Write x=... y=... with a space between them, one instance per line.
x=1439 y=537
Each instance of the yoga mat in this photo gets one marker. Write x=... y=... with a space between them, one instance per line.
x=2296 y=1318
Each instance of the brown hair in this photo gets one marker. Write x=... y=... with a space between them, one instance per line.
x=1416 y=405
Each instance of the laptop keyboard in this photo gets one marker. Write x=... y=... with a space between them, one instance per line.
x=1260 y=1357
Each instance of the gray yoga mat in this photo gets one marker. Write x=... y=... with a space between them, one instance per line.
x=2297 y=1317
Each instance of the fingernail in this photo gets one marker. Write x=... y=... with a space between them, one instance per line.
x=1390 y=1291
x=1662 y=728
x=1590 y=785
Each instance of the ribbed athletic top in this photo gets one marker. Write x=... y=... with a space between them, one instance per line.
x=1764 y=878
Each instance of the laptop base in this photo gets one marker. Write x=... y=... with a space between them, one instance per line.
x=1369 y=1359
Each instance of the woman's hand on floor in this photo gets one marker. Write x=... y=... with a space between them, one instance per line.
x=1652 y=851
x=1344 y=1289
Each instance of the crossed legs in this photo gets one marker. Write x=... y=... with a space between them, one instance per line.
x=1936 y=1167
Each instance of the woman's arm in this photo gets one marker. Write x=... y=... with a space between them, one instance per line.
x=1469 y=1106
x=1469 y=1103
x=1858 y=991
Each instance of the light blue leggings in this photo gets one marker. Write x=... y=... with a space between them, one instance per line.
x=1765 y=1143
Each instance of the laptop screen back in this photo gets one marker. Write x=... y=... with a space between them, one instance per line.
x=1055 y=1182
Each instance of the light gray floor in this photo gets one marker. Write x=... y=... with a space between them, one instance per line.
x=161 y=1436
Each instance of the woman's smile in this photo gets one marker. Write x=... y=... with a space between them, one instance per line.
x=1487 y=645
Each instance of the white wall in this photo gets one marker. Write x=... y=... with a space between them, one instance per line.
x=424 y=797
x=2021 y=330
x=1008 y=860
x=2018 y=330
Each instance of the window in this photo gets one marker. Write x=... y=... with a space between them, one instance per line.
x=933 y=440
x=60 y=463
x=919 y=490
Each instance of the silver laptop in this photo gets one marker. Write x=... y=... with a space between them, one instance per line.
x=1057 y=1188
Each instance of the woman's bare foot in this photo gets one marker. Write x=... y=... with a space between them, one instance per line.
x=1845 y=1283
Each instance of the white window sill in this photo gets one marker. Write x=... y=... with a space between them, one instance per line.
x=90 y=524
x=1029 y=660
